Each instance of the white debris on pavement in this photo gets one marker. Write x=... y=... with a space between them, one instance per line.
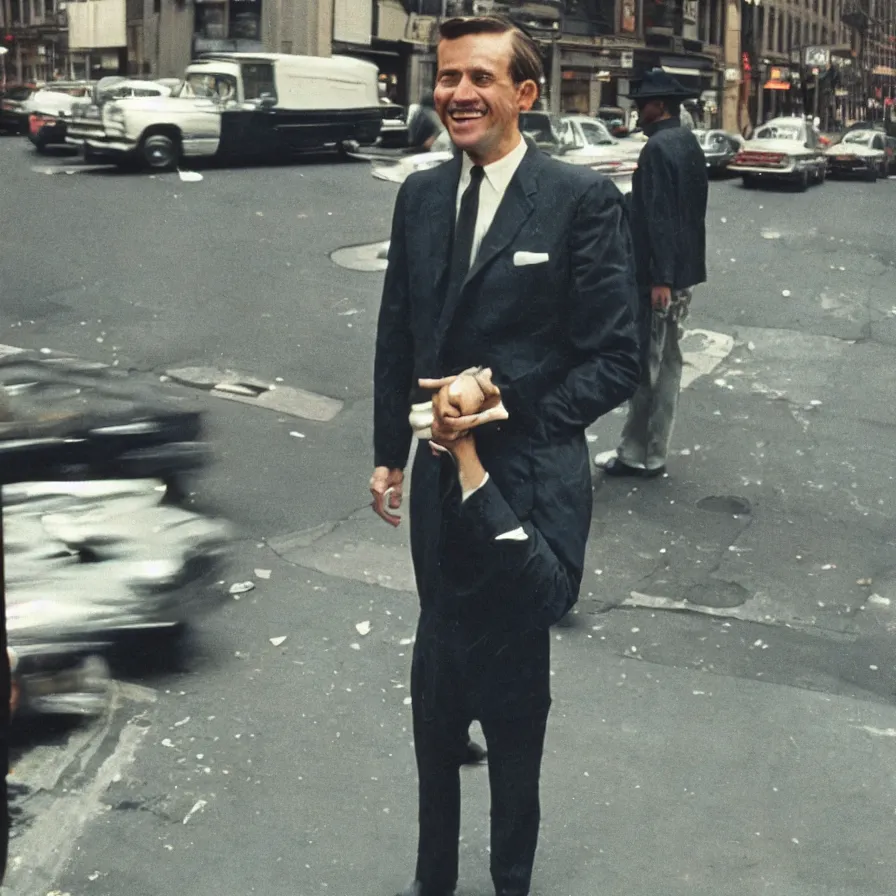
x=198 y=806
x=363 y=628
x=262 y=573
x=189 y=177
x=277 y=641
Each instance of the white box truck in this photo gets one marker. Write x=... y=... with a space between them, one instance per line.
x=239 y=107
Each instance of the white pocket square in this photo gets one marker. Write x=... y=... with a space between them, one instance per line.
x=523 y=258
x=518 y=534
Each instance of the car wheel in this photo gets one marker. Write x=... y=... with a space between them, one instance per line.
x=160 y=151
x=41 y=148
x=750 y=182
x=871 y=175
x=822 y=175
x=802 y=182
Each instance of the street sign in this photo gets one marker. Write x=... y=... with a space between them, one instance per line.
x=626 y=60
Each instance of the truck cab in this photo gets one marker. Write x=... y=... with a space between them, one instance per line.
x=243 y=106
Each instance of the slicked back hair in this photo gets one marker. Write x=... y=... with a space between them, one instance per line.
x=525 y=60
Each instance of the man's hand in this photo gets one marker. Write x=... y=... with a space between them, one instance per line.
x=386 y=480
x=660 y=298
x=447 y=415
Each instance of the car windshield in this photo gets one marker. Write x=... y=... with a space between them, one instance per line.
x=206 y=86
x=596 y=133
x=780 y=132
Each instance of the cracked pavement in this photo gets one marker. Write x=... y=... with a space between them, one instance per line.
x=723 y=719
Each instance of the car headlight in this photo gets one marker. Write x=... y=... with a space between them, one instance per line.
x=114 y=112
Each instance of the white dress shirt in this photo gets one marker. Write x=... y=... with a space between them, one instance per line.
x=496 y=179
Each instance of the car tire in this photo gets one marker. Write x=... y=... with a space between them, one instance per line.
x=40 y=148
x=802 y=182
x=871 y=175
x=160 y=152
x=749 y=181
x=822 y=176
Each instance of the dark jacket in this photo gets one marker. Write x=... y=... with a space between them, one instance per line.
x=561 y=340
x=668 y=209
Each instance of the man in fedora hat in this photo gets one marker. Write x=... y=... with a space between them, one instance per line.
x=668 y=223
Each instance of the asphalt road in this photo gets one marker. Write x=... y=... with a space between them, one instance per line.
x=723 y=719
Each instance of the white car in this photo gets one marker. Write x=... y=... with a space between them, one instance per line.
x=783 y=149
x=863 y=153
x=398 y=170
x=587 y=140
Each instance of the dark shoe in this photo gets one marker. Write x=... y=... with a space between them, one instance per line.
x=416 y=889
x=618 y=469
x=474 y=754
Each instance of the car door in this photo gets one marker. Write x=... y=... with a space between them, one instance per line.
x=251 y=119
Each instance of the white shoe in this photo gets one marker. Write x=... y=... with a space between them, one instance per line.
x=602 y=459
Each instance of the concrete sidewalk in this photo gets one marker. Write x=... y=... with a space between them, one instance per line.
x=289 y=771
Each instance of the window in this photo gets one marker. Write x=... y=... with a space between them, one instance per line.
x=595 y=134
x=49 y=8
x=258 y=80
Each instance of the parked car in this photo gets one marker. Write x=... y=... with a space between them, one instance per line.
x=862 y=153
x=544 y=129
x=586 y=140
x=783 y=149
x=394 y=132
x=615 y=120
x=244 y=106
x=719 y=147
x=13 y=117
x=50 y=112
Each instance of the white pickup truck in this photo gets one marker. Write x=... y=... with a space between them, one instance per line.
x=239 y=106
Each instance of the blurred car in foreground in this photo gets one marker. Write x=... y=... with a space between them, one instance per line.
x=111 y=551
x=866 y=153
x=783 y=150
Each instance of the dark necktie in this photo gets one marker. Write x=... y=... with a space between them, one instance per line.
x=464 y=231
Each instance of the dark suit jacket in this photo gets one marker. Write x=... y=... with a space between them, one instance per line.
x=561 y=340
x=668 y=209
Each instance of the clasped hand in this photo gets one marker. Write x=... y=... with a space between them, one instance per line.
x=460 y=404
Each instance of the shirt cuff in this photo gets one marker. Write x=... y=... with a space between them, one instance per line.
x=472 y=491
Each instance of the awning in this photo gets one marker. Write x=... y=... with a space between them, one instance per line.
x=776 y=85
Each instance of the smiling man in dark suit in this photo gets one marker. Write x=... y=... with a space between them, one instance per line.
x=517 y=268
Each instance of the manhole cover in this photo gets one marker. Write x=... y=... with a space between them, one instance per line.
x=725 y=504
x=368 y=258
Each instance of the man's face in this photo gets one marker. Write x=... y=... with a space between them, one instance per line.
x=476 y=98
x=650 y=111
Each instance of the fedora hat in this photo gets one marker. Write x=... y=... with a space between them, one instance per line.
x=657 y=85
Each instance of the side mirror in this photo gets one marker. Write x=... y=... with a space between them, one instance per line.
x=267 y=101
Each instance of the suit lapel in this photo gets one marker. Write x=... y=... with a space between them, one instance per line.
x=513 y=212
x=441 y=210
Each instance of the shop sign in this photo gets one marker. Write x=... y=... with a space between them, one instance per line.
x=626 y=59
x=818 y=57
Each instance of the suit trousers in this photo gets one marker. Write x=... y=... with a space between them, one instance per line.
x=515 y=747
x=651 y=411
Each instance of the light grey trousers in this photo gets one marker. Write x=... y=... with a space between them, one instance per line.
x=651 y=410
